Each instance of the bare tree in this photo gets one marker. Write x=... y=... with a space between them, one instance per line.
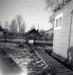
x=52 y=19
x=6 y=25
x=56 y=4
x=19 y=20
x=51 y=3
x=22 y=28
x=13 y=26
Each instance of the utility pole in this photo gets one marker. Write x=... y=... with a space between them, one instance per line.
x=38 y=27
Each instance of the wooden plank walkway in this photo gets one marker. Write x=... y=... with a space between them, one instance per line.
x=55 y=67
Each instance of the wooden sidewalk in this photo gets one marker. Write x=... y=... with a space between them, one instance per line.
x=55 y=67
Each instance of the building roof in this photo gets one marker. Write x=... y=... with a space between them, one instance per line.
x=33 y=32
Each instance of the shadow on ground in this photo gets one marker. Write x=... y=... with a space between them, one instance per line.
x=8 y=66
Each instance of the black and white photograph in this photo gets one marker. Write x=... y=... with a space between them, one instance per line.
x=36 y=37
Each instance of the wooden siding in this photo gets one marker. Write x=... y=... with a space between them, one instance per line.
x=61 y=36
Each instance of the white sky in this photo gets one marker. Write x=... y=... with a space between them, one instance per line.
x=32 y=11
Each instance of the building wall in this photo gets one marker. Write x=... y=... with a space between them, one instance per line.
x=71 y=38
x=70 y=49
x=61 y=36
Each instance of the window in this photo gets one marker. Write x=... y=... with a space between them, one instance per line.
x=58 y=21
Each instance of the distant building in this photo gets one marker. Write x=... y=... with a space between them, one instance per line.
x=1 y=31
x=32 y=35
x=63 y=32
x=49 y=34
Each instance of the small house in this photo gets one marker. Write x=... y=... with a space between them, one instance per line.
x=1 y=31
x=32 y=35
x=63 y=31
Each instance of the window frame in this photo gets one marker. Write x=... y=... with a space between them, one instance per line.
x=58 y=24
